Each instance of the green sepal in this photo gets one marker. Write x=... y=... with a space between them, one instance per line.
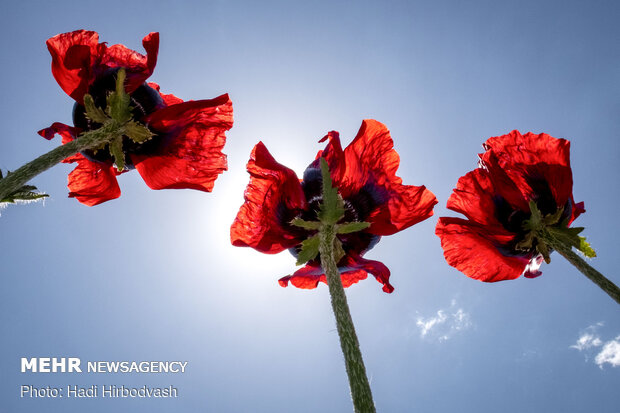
x=527 y=242
x=116 y=150
x=535 y=221
x=350 y=227
x=118 y=101
x=549 y=228
x=338 y=250
x=93 y=112
x=554 y=218
x=309 y=249
x=542 y=248
x=584 y=247
x=309 y=225
x=137 y=132
x=332 y=207
x=567 y=236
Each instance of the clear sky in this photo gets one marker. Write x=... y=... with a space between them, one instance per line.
x=152 y=275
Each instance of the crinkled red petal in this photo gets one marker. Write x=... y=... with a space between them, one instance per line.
x=532 y=156
x=138 y=67
x=272 y=187
x=67 y=133
x=334 y=156
x=193 y=136
x=529 y=149
x=473 y=249
x=578 y=209
x=407 y=205
x=473 y=197
x=92 y=183
x=372 y=159
x=353 y=269
x=379 y=270
x=307 y=277
x=512 y=185
x=78 y=58
x=73 y=56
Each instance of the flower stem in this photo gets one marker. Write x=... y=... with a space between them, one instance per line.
x=596 y=277
x=358 y=382
x=19 y=177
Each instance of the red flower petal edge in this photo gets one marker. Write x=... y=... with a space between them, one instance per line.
x=78 y=59
x=514 y=170
x=365 y=175
x=186 y=150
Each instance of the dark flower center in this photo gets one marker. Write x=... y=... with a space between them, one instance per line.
x=358 y=207
x=144 y=101
x=512 y=219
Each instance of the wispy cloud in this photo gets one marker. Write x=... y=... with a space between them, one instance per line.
x=444 y=323
x=590 y=341
x=586 y=341
x=426 y=325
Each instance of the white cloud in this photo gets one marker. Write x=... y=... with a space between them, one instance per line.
x=586 y=341
x=609 y=354
x=590 y=341
x=426 y=325
x=444 y=323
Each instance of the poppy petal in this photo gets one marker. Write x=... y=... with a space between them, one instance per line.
x=379 y=270
x=334 y=156
x=138 y=67
x=529 y=149
x=72 y=59
x=407 y=205
x=473 y=197
x=352 y=270
x=190 y=155
x=474 y=250
x=309 y=276
x=92 y=183
x=372 y=161
x=577 y=209
x=529 y=158
x=369 y=157
x=66 y=132
x=272 y=188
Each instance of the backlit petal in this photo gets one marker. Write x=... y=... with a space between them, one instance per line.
x=474 y=250
x=190 y=153
x=73 y=56
x=274 y=193
x=353 y=269
x=92 y=183
x=372 y=161
x=138 y=66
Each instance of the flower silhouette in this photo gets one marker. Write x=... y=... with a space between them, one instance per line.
x=365 y=175
x=185 y=150
x=519 y=175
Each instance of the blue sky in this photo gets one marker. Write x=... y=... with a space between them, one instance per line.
x=152 y=275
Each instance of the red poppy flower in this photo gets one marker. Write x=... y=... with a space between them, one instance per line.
x=365 y=175
x=186 y=151
x=515 y=169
